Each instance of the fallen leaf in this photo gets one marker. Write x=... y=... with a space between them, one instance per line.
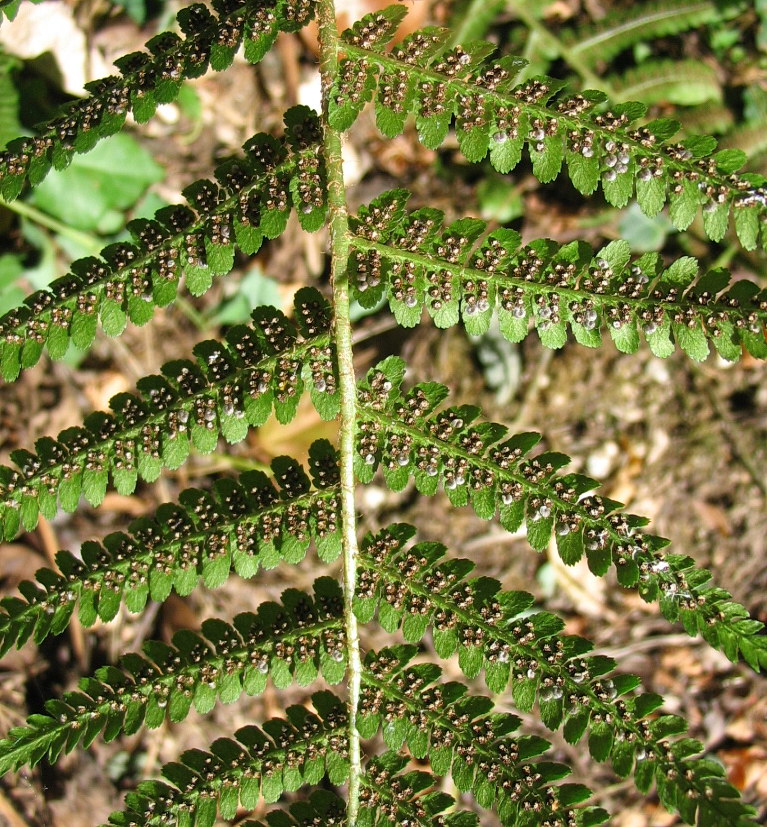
x=713 y=517
x=746 y=767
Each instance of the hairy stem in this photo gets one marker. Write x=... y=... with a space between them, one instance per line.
x=339 y=252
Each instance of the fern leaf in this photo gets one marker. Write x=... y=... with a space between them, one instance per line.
x=283 y=756
x=389 y=798
x=251 y=200
x=462 y=736
x=322 y=807
x=258 y=763
x=682 y=82
x=392 y=796
x=478 y=464
x=148 y=79
x=623 y=28
x=416 y=262
x=417 y=588
x=292 y=641
x=232 y=385
x=459 y=273
x=239 y=525
x=492 y=117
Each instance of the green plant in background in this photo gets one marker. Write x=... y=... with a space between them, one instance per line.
x=456 y=273
x=711 y=82
x=76 y=209
x=626 y=54
x=685 y=82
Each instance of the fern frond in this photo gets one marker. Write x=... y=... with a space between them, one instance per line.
x=416 y=261
x=391 y=797
x=262 y=763
x=232 y=386
x=251 y=200
x=238 y=525
x=416 y=589
x=460 y=272
x=460 y=735
x=682 y=82
x=292 y=641
x=623 y=28
x=494 y=118
x=322 y=807
x=475 y=463
x=286 y=755
x=150 y=78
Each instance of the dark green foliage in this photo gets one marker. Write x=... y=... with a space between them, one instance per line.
x=249 y=201
x=493 y=117
x=146 y=79
x=294 y=641
x=479 y=464
x=461 y=735
x=458 y=273
x=491 y=630
x=322 y=806
x=231 y=386
x=239 y=526
x=416 y=262
x=393 y=797
x=260 y=763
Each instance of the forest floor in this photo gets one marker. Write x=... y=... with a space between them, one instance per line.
x=683 y=444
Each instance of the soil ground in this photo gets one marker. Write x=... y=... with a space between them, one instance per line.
x=683 y=444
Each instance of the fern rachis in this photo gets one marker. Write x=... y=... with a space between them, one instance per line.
x=390 y=429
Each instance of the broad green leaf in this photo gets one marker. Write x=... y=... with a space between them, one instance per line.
x=111 y=177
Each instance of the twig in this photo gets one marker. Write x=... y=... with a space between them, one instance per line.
x=9 y=816
x=590 y=78
x=382 y=325
x=646 y=644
